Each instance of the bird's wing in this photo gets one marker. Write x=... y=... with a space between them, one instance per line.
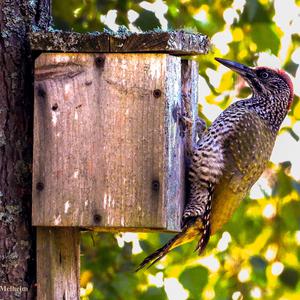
x=237 y=139
x=246 y=152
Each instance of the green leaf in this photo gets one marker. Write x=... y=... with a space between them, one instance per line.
x=194 y=279
x=147 y=20
x=259 y=33
x=251 y=226
x=153 y=293
x=259 y=269
x=222 y=289
x=256 y=12
x=258 y=263
x=296 y=186
x=293 y=134
x=290 y=213
x=283 y=185
x=124 y=284
x=289 y=277
x=251 y=9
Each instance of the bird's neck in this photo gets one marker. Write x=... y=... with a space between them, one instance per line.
x=271 y=108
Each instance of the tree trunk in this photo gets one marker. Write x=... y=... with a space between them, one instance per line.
x=17 y=258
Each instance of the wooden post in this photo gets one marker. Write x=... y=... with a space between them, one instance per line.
x=109 y=148
x=58 y=263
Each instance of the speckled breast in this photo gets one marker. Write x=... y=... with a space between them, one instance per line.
x=247 y=152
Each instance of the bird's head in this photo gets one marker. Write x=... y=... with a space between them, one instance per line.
x=264 y=80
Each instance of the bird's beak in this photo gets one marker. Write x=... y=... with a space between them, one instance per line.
x=243 y=70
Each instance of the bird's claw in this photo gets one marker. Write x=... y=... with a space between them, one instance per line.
x=200 y=127
x=185 y=121
x=203 y=240
x=187 y=124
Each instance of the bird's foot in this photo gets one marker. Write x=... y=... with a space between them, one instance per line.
x=186 y=123
x=200 y=127
x=204 y=239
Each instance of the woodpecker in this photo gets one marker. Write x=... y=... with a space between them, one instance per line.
x=231 y=155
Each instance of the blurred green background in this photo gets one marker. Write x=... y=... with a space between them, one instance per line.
x=257 y=254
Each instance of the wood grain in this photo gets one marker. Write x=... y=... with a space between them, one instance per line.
x=62 y=41
x=108 y=152
x=173 y=42
x=189 y=78
x=58 y=263
x=189 y=94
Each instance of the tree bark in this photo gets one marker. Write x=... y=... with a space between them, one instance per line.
x=17 y=238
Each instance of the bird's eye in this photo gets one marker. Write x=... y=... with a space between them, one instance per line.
x=264 y=75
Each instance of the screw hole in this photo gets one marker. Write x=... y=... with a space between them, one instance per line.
x=41 y=92
x=157 y=93
x=155 y=185
x=54 y=106
x=97 y=218
x=39 y=186
x=99 y=61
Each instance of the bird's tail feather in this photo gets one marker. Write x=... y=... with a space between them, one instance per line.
x=192 y=228
x=158 y=254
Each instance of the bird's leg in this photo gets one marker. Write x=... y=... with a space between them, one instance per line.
x=187 y=125
x=206 y=230
x=200 y=207
x=192 y=129
x=185 y=122
x=200 y=127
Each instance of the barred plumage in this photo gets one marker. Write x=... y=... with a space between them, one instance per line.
x=231 y=155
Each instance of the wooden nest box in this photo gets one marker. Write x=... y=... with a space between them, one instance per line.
x=109 y=149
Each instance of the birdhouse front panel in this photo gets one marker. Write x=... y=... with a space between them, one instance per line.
x=108 y=146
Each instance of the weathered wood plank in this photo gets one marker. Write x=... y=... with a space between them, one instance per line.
x=107 y=149
x=61 y=41
x=58 y=263
x=172 y=42
x=189 y=75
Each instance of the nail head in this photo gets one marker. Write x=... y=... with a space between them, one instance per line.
x=157 y=93
x=99 y=61
x=55 y=106
x=39 y=186
x=155 y=185
x=41 y=92
x=97 y=218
